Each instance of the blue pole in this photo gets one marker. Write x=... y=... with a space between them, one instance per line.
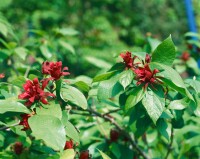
x=190 y=16
x=191 y=20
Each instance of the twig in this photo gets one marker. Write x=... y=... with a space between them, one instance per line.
x=7 y=127
x=126 y=134
x=170 y=144
x=112 y=111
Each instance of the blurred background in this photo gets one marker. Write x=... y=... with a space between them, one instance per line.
x=85 y=32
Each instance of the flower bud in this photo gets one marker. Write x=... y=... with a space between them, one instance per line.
x=84 y=155
x=114 y=135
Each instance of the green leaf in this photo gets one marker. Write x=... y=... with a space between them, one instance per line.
x=45 y=51
x=165 y=52
x=104 y=156
x=153 y=105
x=51 y=109
x=139 y=54
x=68 y=154
x=162 y=128
x=50 y=129
x=194 y=84
x=67 y=46
x=109 y=88
x=98 y=62
x=126 y=78
x=136 y=96
x=71 y=131
x=104 y=76
x=67 y=31
x=172 y=79
x=3 y=29
x=72 y=94
x=142 y=124
x=191 y=63
x=114 y=148
x=82 y=86
x=19 y=81
x=153 y=43
x=21 y=52
x=11 y=105
x=179 y=104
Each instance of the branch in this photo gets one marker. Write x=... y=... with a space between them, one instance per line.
x=126 y=134
x=170 y=144
x=7 y=127
x=112 y=111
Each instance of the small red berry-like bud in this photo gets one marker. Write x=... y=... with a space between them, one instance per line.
x=84 y=155
x=69 y=145
x=18 y=148
x=185 y=56
x=114 y=135
x=148 y=58
x=189 y=46
x=2 y=75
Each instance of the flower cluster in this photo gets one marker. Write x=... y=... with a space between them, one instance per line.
x=128 y=60
x=143 y=73
x=54 y=69
x=33 y=92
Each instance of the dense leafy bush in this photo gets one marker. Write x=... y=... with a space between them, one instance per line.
x=73 y=93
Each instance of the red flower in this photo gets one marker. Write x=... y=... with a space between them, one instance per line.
x=114 y=135
x=18 y=148
x=24 y=121
x=2 y=75
x=69 y=145
x=54 y=69
x=84 y=155
x=146 y=76
x=185 y=56
x=34 y=93
x=128 y=60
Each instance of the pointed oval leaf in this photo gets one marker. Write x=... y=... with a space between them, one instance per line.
x=11 y=105
x=165 y=52
x=72 y=94
x=153 y=105
x=50 y=129
x=104 y=156
x=71 y=131
x=126 y=78
x=136 y=96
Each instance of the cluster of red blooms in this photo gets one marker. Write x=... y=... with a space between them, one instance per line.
x=34 y=90
x=144 y=75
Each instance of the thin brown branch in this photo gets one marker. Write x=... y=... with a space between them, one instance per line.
x=123 y=131
x=8 y=127
x=170 y=144
x=112 y=111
